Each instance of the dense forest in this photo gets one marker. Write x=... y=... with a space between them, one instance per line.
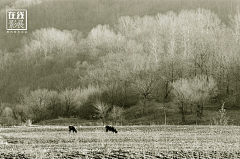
x=117 y=59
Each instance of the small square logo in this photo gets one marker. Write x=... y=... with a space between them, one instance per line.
x=16 y=19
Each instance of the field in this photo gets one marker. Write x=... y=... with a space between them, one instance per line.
x=130 y=142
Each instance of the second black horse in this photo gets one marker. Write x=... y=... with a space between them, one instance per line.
x=110 y=128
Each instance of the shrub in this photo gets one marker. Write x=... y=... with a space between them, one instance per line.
x=222 y=118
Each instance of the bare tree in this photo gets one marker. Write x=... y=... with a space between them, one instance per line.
x=102 y=109
x=181 y=92
x=116 y=113
x=145 y=85
x=197 y=90
x=203 y=88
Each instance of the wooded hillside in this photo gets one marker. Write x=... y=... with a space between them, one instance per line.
x=100 y=58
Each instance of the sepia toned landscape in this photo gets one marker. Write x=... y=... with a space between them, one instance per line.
x=164 y=74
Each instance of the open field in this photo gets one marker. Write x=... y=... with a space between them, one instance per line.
x=130 y=142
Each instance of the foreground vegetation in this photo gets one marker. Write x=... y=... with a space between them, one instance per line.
x=130 y=142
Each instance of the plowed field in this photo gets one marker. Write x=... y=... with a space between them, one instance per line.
x=130 y=142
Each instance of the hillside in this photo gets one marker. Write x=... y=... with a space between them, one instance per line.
x=110 y=59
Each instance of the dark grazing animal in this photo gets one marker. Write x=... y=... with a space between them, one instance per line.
x=110 y=128
x=72 y=128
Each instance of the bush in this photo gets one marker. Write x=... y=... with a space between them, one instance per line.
x=29 y=122
x=222 y=119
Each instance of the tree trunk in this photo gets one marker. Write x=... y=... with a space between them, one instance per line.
x=165 y=117
x=201 y=111
x=198 y=112
x=183 y=117
x=182 y=112
x=166 y=91
x=103 y=120
x=144 y=104
x=165 y=114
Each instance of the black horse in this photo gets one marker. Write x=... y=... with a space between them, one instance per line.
x=72 y=128
x=110 y=128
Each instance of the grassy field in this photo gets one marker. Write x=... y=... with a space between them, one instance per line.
x=130 y=142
